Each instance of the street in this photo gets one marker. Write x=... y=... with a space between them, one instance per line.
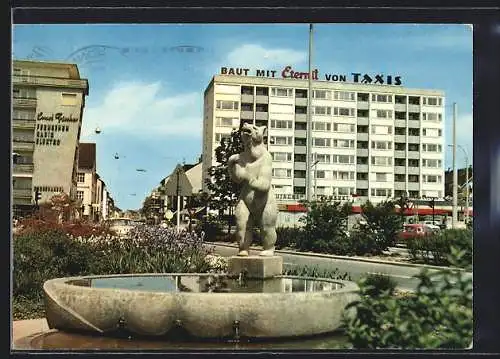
x=402 y=274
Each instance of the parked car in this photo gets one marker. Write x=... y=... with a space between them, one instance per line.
x=434 y=225
x=121 y=226
x=416 y=230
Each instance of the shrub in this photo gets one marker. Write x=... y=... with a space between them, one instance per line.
x=211 y=227
x=438 y=315
x=436 y=248
x=377 y=284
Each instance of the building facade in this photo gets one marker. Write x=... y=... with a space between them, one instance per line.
x=87 y=180
x=369 y=142
x=47 y=108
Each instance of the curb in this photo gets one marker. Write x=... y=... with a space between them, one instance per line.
x=357 y=259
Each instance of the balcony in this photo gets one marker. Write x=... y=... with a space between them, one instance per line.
x=23 y=145
x=363 y=121
x=261 y=116
x=22 y=193
x=299 y=166
x=49 y=81
x=23 y=124
x=399 y=170
x=400 y=138
x=413 y=139
x=413 y=170
x=301 y=117
x=413 y=108
x=300 y=101
x=299 y=182
x=363 y=105
x=300 y=133
x=247 y=115
x=24 y=102
x=361 y=168
x=413 y=186
x=22 y=168
x=362 y=184
x=400 y=123
x=300 y=149
x=400 y=154
x=414 y=155
x=362 y=152
x=261 y=99
x=400 y=107
x=399 y=186
x=362 y=136
x=413 y=124
x=246 y=98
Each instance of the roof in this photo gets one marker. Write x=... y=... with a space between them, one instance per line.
x=71 y=67
x=86 y=155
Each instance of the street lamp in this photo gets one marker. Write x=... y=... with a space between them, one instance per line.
x=466 y=154
x=315 y=176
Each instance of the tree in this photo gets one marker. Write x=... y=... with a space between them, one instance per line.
x=383 y=222
x=325 y=227
x=223 y=192
x=58 y=208
x=404 y=205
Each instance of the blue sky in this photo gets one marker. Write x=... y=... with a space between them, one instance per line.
x=146 y=88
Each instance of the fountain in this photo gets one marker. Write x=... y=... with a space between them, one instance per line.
x=253 y=301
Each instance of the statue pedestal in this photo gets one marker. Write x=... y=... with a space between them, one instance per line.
x=257 y=267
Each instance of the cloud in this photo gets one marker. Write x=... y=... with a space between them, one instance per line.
x=139 y=109
x=257 y=57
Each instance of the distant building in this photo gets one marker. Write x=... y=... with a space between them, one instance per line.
x=48 y=100
x=369 y=142
x=194 y=175
x=87 y=180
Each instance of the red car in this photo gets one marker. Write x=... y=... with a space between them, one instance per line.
x=415 y=230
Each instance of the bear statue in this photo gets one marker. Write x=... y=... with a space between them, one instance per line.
x=256 y=205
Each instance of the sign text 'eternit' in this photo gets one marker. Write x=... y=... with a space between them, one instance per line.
x=289 y=73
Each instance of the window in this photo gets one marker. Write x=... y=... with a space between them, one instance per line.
x=432 y=179
x=23 y=114
x=344 y=95
x=323 y=174
x=322 y=158
x=343 y=143
x=225 y=121
x=414 y=147
x=399 y=178
x=322 y=110
x=80 y=177
x=322 y=126
x=226 y=105
x=24 y=92
x=362 y=176
x=281 y=124
x=344 y=111
x=382 y=145
x=299 y=93
x=381 y=161
x=343 y=159
x=431 y=132
x=343 y=191
x=383 y=114
x=400 y=115
x=220 y=136
x=381 y=192
x=343 y=175
x=69 y=99
x=431 y=147
x=322 y=142
x=432 y=116
x=381 y=177
x=321 y=94
x=300 y=141
x=431 y=163
x=79 y=195
x=282 y=172
x=280 y=140
x=281 y=92
x=413 y=178
x=413 y=132
x=281 y=156
x=400 y=146
x=433 y=101
x=381 y=130
x=381 y=98
x=344 y=127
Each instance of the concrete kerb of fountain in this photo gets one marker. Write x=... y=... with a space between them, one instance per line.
x=73 y=307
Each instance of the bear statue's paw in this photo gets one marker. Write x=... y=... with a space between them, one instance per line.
x=243 y=253
x=267 y=252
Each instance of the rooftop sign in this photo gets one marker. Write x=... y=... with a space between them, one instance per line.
x=289 y=72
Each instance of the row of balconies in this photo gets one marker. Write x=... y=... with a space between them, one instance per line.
x=23 y=124
x=23 y=145
x=49 y=81
x=24 y=102
x=364 y=184
x=301 y=101
x=22 y=168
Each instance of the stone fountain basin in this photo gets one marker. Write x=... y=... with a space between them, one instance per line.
x=73 y=305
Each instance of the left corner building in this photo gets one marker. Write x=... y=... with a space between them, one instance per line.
x=48 y=99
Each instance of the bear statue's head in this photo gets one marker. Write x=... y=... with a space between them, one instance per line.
x=251 y=134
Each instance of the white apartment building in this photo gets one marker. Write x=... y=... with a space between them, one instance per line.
x=369 y=142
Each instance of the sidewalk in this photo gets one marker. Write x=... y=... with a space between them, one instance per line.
x=24 y=328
